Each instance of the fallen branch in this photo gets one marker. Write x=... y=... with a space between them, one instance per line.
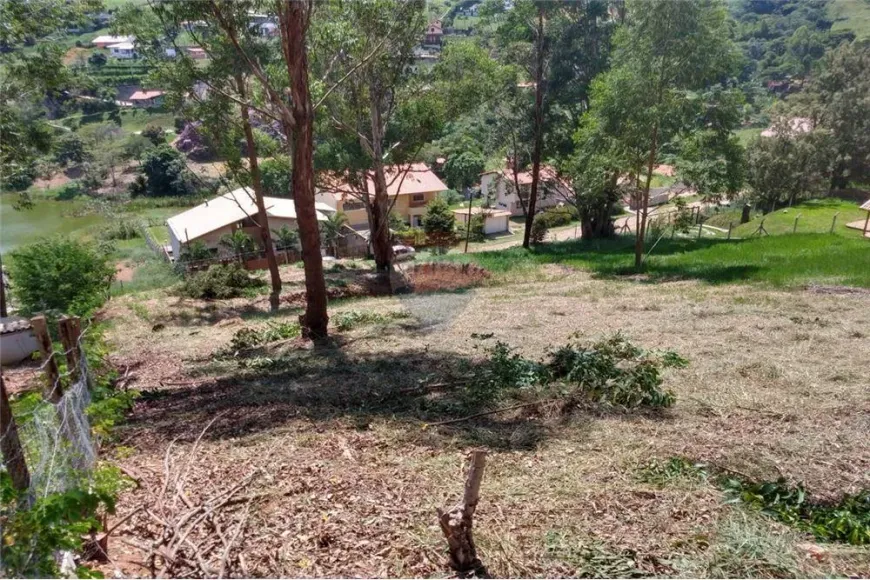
x=493 y=412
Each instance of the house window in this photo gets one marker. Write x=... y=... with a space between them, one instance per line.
x=418 y=197
x=352 y=205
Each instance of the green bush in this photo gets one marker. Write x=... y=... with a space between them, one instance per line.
x=219 y=282
x=539 y=230
x=558 y=216
x=70 y=191
x=247 y=338
x=121 y=230
x=450 y=196
x=60 y=276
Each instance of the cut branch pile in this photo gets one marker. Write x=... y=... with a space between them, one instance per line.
x=184 y=538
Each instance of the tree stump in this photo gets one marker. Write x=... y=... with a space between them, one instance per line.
x=456 y=523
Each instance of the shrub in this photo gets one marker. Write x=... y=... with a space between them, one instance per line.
x=439 y=223
x=70 y=191
x=558 y=216
x=450 y=196
x=121 y=230
x=539 y=230
x=219 y=282
x=354 y=318
x=154 y=133
x=195 y=251
x=60 y=276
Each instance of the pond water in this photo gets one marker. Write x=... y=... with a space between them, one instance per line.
x=48 y=217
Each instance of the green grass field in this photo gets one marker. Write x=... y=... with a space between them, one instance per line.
x=792 y=260
x=852 y=15
x=814 y=216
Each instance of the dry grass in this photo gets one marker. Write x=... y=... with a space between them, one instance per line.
x=777 y=385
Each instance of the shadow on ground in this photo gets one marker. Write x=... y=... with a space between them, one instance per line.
x=413 y=388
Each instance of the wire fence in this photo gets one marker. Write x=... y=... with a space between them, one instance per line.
x=48 y=446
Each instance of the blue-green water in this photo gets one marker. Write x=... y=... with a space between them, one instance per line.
x=48 y=217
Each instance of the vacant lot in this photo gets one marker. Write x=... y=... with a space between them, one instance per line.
x=349 y=475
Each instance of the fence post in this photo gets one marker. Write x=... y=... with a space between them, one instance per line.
x=730 y=225
x=54 y=391
x=834 y=222
x=796 y=218
x=69 y=329
x=10 y=444
x=700 y=227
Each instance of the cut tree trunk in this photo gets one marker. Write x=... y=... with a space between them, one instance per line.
x=456 y=523
x=257 y=185
x=315 y=320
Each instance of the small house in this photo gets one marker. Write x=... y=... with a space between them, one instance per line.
x=237 y=210
x=122 y=50
x=413 y=187
x=108 y=40
x=495 y=221
x=146 y=98
x=434 y=34
x=500 y=188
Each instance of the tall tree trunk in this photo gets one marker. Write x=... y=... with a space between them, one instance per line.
x=257 y=185
x=539 y=127
x=644 y=201
x=380 y=226
x=315 y=320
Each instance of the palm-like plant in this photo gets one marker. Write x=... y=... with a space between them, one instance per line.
x=286 y=239
x=330 y=230
x=238 y=243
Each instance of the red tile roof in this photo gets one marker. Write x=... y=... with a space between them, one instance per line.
x=418 y=179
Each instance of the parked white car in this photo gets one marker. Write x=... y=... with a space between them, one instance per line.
x=402 y=253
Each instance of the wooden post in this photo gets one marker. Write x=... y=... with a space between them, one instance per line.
x=834 y=222
x=745 y=215
x=456 y=523
x=53 y=391
x=700 y=226
x=796 y=218
x=69 y=329
x=10 y=444
x=730 y=226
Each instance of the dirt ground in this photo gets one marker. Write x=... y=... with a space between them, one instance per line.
x=344 y=476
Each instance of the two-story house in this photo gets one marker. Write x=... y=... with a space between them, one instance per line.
x=500 y=189
x=412 y=189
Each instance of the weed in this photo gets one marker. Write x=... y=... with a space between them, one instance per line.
x=661 y=473
x=354 y=318
x=246 y=338
x=140 y=311
x=591 y=560
x=846 y=521
x=220 y=282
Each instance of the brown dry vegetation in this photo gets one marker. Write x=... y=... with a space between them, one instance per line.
x=350 y=476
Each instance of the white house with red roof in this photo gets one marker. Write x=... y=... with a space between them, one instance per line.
x=500 y=189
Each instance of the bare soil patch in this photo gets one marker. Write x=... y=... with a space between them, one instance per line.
x=440 y=276
x=348 y=477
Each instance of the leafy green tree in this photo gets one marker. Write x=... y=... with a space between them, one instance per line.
x=788 y=166
x=70 y=148
x=286 y=238
x=154 y=133
x=439 y=223
x=379 y=113
x=463 y=170
x=238 y=243
x=331 y=230
x=60 y=276
x=166 y=173
x=837 y=100
x=664 y=56
x=136 y=146
x=277 y=176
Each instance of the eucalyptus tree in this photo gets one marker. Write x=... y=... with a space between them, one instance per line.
x=561 y=45
x=664 y=56
x=378 y=111
x=278 y=90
